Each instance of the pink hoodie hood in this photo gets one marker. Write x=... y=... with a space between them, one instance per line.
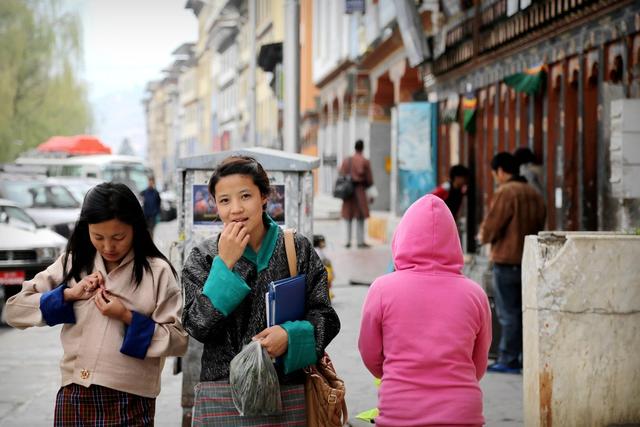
x=426 y=239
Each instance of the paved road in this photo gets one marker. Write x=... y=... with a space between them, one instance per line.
x=29 y=370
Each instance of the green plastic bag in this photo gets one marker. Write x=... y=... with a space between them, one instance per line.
x=254 y=382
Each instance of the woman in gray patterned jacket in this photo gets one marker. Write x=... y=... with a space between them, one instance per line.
x=225 y=279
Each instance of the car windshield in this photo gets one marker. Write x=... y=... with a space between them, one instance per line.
x=17 y=217
x=33 y=194
x=78 y=189
x=132 y=175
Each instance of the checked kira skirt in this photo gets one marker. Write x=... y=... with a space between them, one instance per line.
x=79 y=406
x=213 y=406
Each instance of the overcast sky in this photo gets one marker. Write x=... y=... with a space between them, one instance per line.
x=126 y=44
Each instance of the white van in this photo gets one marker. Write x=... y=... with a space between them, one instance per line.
x=129 y=170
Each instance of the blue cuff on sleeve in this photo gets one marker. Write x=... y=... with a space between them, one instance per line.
x=137 y=337
x=54 y=308
x=224 y=288
x=301 y=351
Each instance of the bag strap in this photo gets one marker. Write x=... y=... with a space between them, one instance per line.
x=290 y=248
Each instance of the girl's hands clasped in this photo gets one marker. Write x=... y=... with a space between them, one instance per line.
x=86 y=288
x=111 y=306
x=274 y=339
x=233 y=240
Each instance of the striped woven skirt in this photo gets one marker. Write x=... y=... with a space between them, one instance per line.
x=78 y=406
x=213 y=406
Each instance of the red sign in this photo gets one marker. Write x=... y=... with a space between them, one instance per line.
x=15 y=277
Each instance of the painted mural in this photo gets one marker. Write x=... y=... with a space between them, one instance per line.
x=416 y=130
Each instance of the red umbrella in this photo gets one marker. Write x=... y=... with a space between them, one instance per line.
x=78 y=144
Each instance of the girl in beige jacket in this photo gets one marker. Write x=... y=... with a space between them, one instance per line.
x=120 y=305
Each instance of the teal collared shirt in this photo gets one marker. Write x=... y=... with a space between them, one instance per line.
x=262 y=258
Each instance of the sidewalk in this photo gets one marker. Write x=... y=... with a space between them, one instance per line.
x=502 y=392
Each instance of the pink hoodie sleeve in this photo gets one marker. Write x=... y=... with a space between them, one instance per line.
x=483 y=339
x=370 y=340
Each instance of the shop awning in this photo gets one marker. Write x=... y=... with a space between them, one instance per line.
x=529 y=81
x=78 y=144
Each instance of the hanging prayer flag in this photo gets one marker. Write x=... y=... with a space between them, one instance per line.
x=469 y=105
x=528 y=82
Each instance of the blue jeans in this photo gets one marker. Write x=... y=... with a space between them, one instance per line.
x=507 y=288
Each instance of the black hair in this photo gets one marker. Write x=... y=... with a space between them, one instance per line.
x=524 y=155
x=241 y=165
x=458 y=170
x=318 y=240
x=506 y=161
x=359 y=146
x=102 y=203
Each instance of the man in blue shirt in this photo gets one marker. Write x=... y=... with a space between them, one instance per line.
x=151 y=205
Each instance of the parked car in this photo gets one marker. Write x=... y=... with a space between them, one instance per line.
x=78 y=187
x=128 y=170
x=51 y=205
x=25 y=248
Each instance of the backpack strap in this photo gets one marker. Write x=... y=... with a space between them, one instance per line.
x=291 y=252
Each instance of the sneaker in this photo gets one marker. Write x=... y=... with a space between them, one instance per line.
x=503 y=369
x=363 y=246
x=348 y=245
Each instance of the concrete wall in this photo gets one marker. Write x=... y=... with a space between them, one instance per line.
x=581 y=320
x=379 y=151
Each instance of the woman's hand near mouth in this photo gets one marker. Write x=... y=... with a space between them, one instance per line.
x=233 y=240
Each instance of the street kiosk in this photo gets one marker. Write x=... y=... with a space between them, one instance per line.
x=290 y=204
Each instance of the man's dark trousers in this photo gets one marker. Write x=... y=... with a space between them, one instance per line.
x=507 y=287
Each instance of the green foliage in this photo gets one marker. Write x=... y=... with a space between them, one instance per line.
x=40 y=92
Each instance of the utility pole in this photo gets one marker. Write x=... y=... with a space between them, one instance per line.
x=252 y=74
x=291 y=64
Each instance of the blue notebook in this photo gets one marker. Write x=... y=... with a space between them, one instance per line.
x=285 y=300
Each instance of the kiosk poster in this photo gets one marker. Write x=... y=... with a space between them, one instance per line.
x=275 y=203
x=204 y=207
x=205 y=211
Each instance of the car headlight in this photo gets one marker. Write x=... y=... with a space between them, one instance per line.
x=47 y=253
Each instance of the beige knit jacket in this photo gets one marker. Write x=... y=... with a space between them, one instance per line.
x=92 y=345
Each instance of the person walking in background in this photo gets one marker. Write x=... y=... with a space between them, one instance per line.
x=455 y=189
x=151 y=205
x=529 y=168
x=426 y=328
x=357 y=206
x=516 y=211
x=225 y=279
x=120 y=305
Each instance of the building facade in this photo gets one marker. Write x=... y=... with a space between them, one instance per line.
x=499 y=74
x=581 y=55
x=361 y=70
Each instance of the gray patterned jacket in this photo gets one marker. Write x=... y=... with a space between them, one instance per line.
x=222 y=337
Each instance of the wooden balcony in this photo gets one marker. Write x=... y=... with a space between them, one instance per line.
x=489 y=28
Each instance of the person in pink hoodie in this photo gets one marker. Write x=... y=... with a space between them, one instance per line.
x=426 y=328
